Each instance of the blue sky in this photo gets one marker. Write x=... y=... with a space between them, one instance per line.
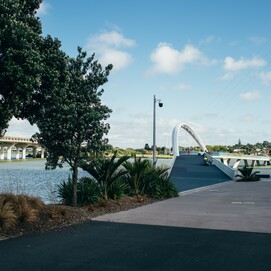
x=208 y=61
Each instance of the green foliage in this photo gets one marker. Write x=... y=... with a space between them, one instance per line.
x=73 y=113
x=137 y=175
x=111 y=182
x=105 y=171
x=162 y=188
x=147 y=147
x=144 y=179
x=159 y=185
x=87 y=193
x=65 y=191
x=118 y=189
x=247 y=175
x=20 y=57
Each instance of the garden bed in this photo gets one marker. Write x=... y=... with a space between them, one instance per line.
x=56 y=217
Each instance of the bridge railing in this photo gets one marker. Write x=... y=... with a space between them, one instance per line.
x=17 y=139
x=226 y=169
x=238 y=155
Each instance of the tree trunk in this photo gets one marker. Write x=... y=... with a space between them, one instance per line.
x=74 y=181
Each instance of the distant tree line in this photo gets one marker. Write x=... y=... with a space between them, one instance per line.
x=258 y=148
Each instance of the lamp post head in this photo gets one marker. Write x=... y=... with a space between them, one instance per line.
x=160 y=104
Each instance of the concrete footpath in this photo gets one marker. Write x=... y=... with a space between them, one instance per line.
x=236 y=206
x=182 y=235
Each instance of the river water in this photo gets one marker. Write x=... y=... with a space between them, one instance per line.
x=30 y=177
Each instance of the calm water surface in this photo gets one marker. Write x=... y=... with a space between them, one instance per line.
x=30 y=177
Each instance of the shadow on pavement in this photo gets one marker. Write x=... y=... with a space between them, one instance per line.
x=116 y=246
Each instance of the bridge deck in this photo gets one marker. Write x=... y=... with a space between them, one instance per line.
x=190 y=172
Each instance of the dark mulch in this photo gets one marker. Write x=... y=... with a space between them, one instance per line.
x=54 y=217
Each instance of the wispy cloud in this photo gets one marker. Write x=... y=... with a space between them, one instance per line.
x=232 y=65
x=169 y=60
x=251 y=95
x=43 y=9
x=265 y=77
x=210 y=39
x=110 y=48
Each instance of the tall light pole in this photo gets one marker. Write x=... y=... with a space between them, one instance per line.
x=154 y=128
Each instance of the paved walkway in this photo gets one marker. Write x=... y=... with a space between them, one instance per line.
x=190 y=171
x=236 y=206
x=242 y=210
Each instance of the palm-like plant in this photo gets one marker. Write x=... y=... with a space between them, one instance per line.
x=159 y=184
x=247 y=175
x=137 y=174
x=105 y=171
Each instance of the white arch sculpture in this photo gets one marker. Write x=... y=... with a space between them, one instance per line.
x=175 y=136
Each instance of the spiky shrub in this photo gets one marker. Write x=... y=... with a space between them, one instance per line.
x=24 y=212
x=65 y=191
x=137 y=174
x=118 y=189
x=35 y=202
x=24 y=208
x=105 y=171
x=87 y=191
x=8 y=197
x=7 y=216
x=162 y=188
x=247 y=175
x=159 y=184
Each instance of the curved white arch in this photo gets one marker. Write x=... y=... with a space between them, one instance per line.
x=175 y=136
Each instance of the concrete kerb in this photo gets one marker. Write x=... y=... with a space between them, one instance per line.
x=190 y=191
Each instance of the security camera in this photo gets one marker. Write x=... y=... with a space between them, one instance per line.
x=160 y=104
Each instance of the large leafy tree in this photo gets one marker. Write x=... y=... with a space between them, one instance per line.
x=20 y=58
x=72 y=121
x=54 y=80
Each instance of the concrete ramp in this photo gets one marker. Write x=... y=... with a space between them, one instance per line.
x=191 y=172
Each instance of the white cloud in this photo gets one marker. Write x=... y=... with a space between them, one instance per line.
x=250 y=95
x=265 y=77
x=232 y=65
x=227 y=76
x=118 y=58
x=109 y=47
x=23 y=128
x=112 y=38
x=168 y=60
x=43 y=9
